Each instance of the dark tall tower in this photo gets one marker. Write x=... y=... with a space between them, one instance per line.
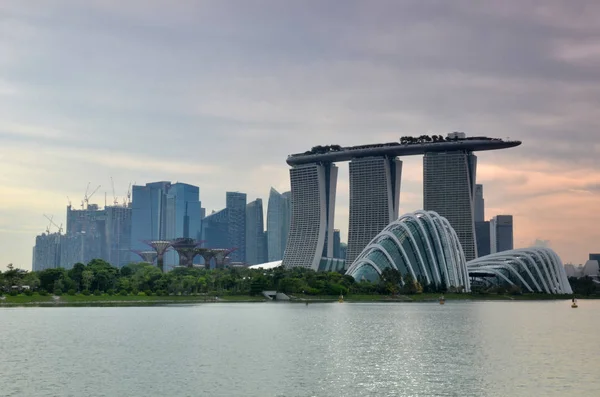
x=236 y=234
x=255 y=233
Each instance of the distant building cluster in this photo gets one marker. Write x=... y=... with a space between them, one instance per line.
x=495 y=235
x=92 y=232
x=158 y=219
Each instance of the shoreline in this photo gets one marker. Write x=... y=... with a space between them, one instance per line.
x=123 y=301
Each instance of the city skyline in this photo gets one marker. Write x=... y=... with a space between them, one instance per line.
x=118 y=102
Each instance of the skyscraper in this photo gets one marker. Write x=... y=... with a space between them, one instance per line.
x=501 y=233
x=215 y=229
x=46 y=253
x=165 y=211
x=118 y=235
x=236 y=225
x=255 y=235
x=374 y=200
x=313 y=213
x=278 y=223
x=337 y=241
x=448 y=189
x=482 y=227
x=148 y=217
x=482 y=233
x=183 y=217
x=479 y=204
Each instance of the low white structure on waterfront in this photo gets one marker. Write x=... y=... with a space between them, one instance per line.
x=536 y=269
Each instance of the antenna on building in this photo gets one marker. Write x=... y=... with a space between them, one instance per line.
x=69 y=201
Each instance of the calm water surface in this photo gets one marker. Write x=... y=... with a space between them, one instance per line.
x=279 y=349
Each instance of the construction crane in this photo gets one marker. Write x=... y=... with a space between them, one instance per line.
x=87 y=198
x=112 y=182
x=51 y=219
x=50 y=224
x=128 y=200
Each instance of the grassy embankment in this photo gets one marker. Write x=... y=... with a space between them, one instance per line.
x=141 y=300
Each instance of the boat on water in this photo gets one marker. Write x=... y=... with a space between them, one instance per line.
x=574 y=303
x=442 y=300
x=341 y=298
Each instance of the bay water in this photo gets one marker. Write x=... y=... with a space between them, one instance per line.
x=291 y=349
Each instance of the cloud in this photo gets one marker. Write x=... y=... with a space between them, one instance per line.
x=218 y=94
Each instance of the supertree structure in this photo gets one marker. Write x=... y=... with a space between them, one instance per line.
x=206 y=253
x=147 y=256
x=160 y=246
x=186 y=248
x=221 y=255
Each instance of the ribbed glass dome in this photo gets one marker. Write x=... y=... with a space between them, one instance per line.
x=536 y=269
x=421 y=243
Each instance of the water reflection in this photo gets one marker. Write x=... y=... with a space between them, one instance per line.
x=370 y=349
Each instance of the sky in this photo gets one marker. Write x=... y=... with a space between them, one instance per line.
x=219 y=93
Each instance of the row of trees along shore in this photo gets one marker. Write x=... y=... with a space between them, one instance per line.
x=99 y=277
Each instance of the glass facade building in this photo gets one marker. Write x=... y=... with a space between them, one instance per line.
x=421 y=243
x=278 y=224
x=501 y=233
x=165 y=211
x=236 y=225
x=536 y=269
x=256 y=247
x=482 y=233
x=215 y=229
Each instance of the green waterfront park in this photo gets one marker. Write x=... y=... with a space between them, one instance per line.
x=99 y=283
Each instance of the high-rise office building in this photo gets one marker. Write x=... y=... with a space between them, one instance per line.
x=343 y=251
x=215 y=230
x=479 y=205
x=482 y=227
x=313 y=213
x=183 y=218
x=482 y=233
x=337 y=241
x=448 y=189
x=148 y=217
x=255 y=233
x=374 y=200
x=165 y=211
x=501 y=233
x=595 y=257
x=236 y=225
x=278 y=223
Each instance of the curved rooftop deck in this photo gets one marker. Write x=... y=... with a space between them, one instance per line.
x=394 y=149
